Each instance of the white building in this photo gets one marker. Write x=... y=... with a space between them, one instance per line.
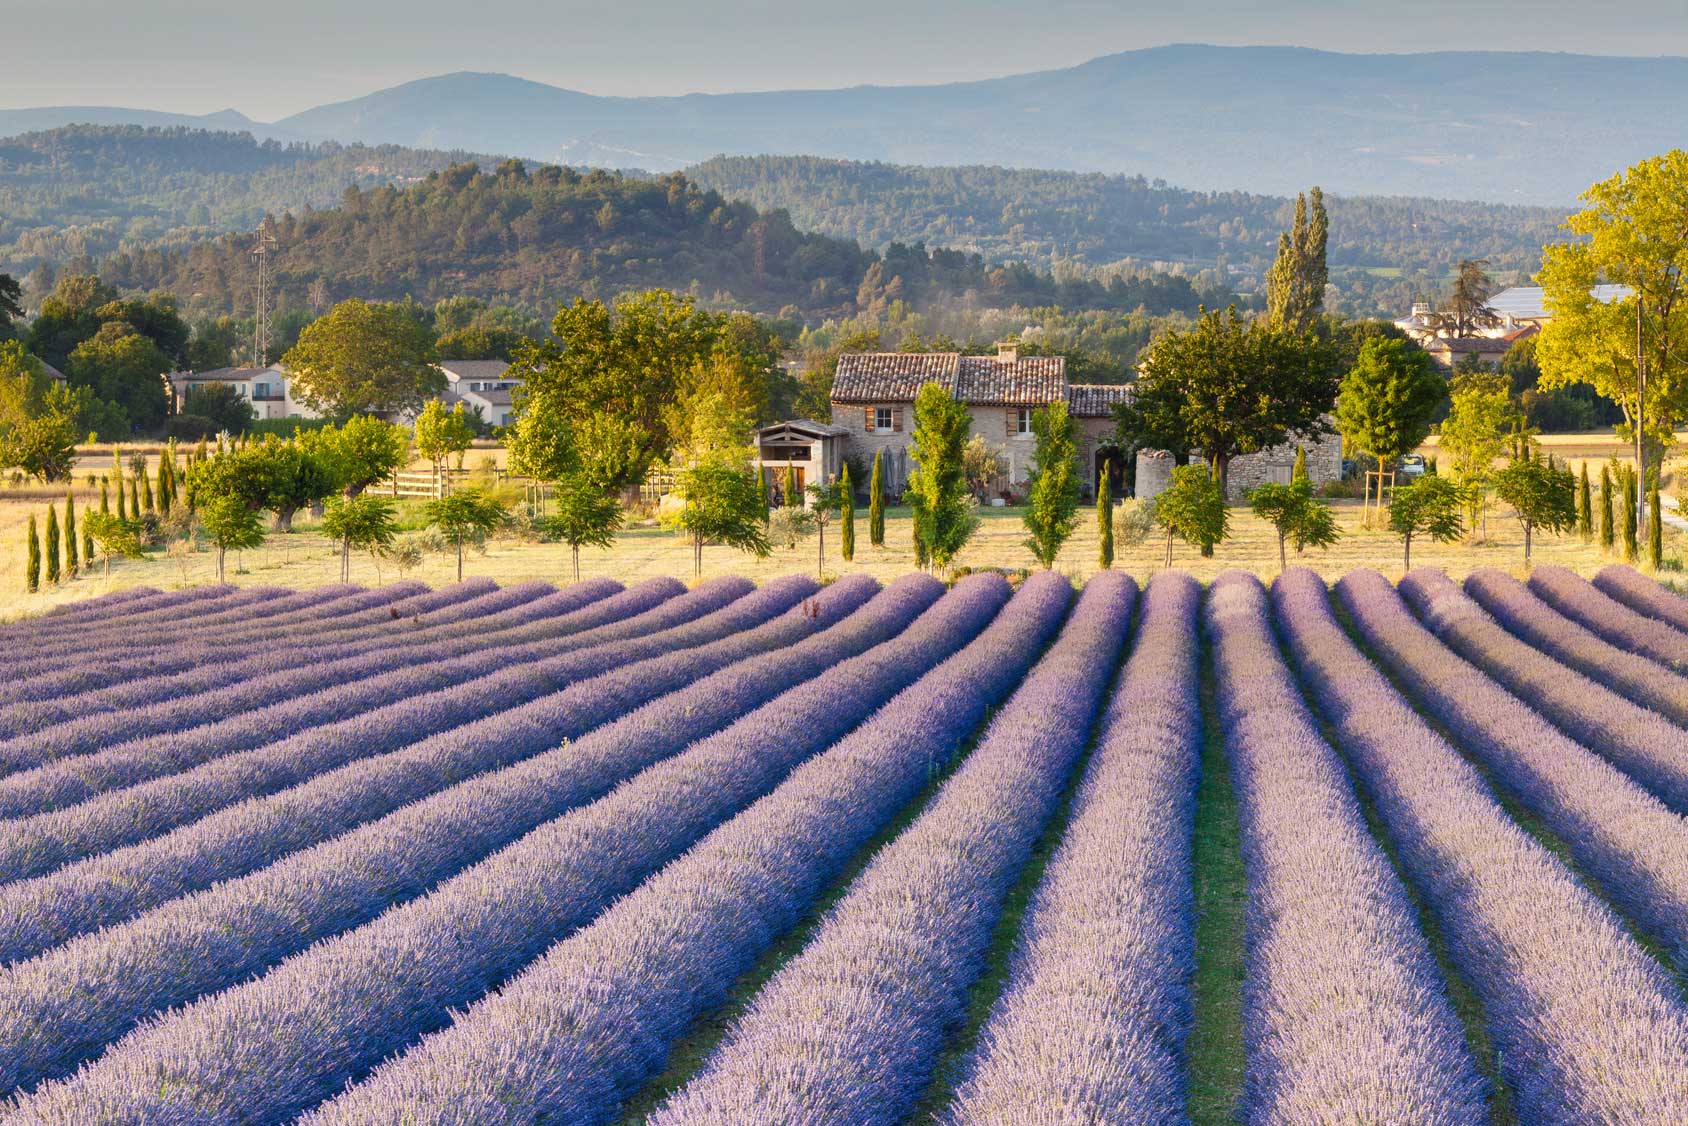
x=482 y=385
x=268 y=389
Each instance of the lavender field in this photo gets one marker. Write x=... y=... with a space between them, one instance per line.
x=976 y=855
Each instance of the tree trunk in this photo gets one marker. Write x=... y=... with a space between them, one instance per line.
x=459 y=558
x=820 y=552
x=283 y=521
x=1219 y=468
x=1527 y=545
x=220 y=553
x=1283 y=559
x=576 y=549
x=346 y=560
x=1169 y=547
x=1407 y=559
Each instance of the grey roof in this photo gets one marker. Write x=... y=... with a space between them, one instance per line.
x=896 y=377
x=808 y=426
x=1529 y=302
x=474 y=369
x=1096 y=400
x=228 y=375
x=1465 y=345
x=492 y=398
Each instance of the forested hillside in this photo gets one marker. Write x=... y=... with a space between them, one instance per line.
x=1384 y=251
x=538 y=236
x=86 y=190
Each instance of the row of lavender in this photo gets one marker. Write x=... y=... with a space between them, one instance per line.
x=1091 y=1024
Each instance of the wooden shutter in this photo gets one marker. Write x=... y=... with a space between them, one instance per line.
x=896 y=420
x=869 y=419
x=1013 y=427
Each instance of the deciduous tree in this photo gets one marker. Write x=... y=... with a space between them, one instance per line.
x=1543 y=495
x=363 y=523
x=1297 y=516
x=1295 y=285
x=1192 y=508
x=1430 y=506
x=362 y=358
x=1385 y=403
x=465 y=515
x=586 y=515
x=230 y=523
x=721 y=503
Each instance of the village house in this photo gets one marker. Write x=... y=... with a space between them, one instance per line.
x=268 y=389
x=480 y=385
x=873 y=397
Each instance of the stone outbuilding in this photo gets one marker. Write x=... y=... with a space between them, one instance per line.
x=813 y=451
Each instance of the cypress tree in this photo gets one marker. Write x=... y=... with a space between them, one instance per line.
x=846 y=516
x=166 y=486
x=72 y=561
x=134 y=500
x=105 y=496
x=1606 y=537
x=148 y=503
x=32 y=568
x=52 y=536
x=1299 y=473
x=122 y=504
x=1585 y=508
x=1105 y=516
x=1655 y=528
x=876 y=504
x=1631 y=552
x=793 y=499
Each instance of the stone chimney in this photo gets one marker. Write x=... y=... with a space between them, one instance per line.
x=1007 y=351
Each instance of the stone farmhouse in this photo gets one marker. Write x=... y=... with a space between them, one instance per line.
x=873 y=411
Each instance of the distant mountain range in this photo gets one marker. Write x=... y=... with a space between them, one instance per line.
x=1498 y=126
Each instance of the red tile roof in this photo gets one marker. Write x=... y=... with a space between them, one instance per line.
x=896 y=377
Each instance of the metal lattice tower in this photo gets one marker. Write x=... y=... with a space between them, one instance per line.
x=261 y=243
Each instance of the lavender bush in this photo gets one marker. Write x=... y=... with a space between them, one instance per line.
x=598 y=1013
x=850 y=1029
x=1643 y=595
x=92 y=669
x=1642 y=743
x=282 y=1042
x=1345 y=1013
x=1601 y=612
x=37 y=914
x=1586 y=1025
x=1092 y=1023
x=275 y=672
x=1634 y=848
x=45 y=841
x=1557 y=635
x=429 y=699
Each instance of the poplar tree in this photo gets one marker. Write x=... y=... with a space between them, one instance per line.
x=1606 y=534
x=1053 y=489
x=122 y=502
x=876 y=504
x=1299 y=473
x=166 y=483
x=1655 y=529
x=1104 y=520
x=1295 y=285
x=793 y=498
x=943 y=514
x=1585 y=508
x=148 y=502
x=52 y=544
x=72 y=560
x=846 y=516
x=1629 y=488
x=134 y=499
x=32 y=568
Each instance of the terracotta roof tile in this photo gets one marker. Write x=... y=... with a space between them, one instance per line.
x=1096 y=400
x=895 y=377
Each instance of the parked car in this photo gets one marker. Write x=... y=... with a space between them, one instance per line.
x=1412 y=465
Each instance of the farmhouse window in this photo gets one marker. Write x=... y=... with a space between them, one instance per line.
x=882 y=419
x=1020 y=421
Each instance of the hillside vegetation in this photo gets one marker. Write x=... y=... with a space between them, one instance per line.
x=88 y=191
x=1383 y=250
x=554 y=233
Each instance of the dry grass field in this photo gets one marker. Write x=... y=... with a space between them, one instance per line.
x=306 y=559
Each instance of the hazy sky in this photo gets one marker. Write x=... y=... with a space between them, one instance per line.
x=271 y=59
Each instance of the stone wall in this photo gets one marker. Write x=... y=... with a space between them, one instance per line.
x=1324 y=463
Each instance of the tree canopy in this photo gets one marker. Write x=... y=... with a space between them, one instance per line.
x=365 y=358
x=937 y=489
x=1386 y=402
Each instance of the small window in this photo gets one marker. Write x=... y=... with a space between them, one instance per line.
x=1023 y=421
x=882 y=418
